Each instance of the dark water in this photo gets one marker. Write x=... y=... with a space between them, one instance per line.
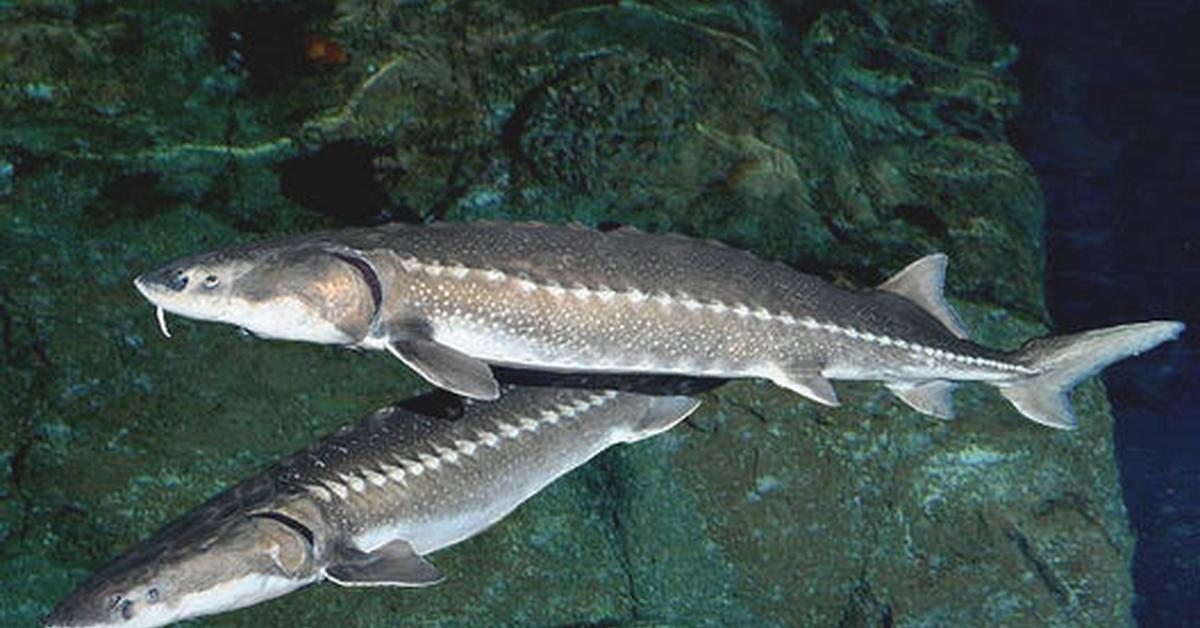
x=1111 y=123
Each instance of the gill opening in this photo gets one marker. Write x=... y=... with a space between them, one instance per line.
x=296 y=526
x=369 y=275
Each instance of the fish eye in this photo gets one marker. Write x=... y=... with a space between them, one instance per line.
x=211 y=281
x=113 y=600
x=152 y=594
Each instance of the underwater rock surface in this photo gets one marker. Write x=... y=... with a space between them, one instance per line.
x=843 y=140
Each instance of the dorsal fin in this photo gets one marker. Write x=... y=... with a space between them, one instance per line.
x=921 y=282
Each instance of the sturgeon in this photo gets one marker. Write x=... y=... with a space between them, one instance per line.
x=363 y=507
x=451 y=299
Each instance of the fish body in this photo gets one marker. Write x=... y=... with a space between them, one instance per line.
x=363 y=507
x=451 y=299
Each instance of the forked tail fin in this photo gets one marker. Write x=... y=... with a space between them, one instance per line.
x=1064 y=361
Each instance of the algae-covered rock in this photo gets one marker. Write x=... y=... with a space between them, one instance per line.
x=845 y=139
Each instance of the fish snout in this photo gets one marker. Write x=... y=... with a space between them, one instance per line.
x=160 y=281
x=59 y=617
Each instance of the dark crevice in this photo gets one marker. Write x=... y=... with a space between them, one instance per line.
x=32 y=357
x=16 y=469
x=514 y=127
x=969 y=120
x=220 y=198
x=865 y=609
x=1044 y=572
x=456 y=185
x=1079 y=505
x=751 y=410
x=627 y=565
x=6 y=331
x=612 y=490
x=835 y=229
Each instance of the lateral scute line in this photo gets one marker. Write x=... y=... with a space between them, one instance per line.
x=741 y=310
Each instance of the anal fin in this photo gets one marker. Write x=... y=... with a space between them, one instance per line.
x=446 y=368
x=934 y=397
x=393 y=565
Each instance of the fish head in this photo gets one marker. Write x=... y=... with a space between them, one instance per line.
x=247 y=560
x=305 y=292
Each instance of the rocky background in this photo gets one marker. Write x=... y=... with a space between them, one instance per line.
x=844 y=138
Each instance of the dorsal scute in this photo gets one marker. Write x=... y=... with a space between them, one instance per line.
x=921 y=282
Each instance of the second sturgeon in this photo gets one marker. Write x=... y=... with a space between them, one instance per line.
x=365 y=505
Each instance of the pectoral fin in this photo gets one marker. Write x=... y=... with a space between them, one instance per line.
x=393 y=565
x=446 y=368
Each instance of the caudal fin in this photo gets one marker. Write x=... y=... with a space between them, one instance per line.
x=1064 y=361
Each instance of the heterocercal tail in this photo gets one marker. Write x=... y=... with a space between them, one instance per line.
x=1065 y=361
